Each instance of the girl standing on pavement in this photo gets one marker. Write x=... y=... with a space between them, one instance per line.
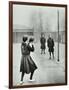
x=27 y=64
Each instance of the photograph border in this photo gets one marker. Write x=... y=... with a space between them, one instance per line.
x=11 y=3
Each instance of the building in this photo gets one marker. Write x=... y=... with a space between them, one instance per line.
x=19 y=31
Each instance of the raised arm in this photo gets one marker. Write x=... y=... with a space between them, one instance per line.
x=31 y=48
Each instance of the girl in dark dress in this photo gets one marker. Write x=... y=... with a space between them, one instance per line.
x=43 y=41
x=27 y=64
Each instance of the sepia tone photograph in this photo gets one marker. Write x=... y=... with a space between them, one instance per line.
x=38 y=44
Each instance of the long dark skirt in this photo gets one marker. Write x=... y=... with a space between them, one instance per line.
x=43 y=46
x=27 y=64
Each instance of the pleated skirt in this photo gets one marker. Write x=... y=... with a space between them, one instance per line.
x=27 y=64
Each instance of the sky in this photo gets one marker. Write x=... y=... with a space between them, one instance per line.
x=37 y=16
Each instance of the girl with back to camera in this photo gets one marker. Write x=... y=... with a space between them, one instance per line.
x=27 y=64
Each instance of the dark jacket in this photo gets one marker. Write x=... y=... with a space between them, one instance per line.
x=24 y=49
x=50 y=44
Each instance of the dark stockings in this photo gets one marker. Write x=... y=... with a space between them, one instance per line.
x=50 y=55
x=31 y=75
x=22 y=75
